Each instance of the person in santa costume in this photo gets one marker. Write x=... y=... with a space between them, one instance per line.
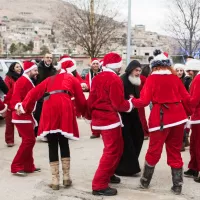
x=15 y=71
x=58 y=120
x=180 y=72
x=193 y=68
x=23 y=162
x=105 y=101
x=70 y=66
x=167 y=119
x=95 y=69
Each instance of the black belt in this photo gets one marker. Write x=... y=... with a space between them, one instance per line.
x=162 y=106
x=48 y=94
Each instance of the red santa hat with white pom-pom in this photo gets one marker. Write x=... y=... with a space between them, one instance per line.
x=28 y=66
x=67 y=64
x=112 y=60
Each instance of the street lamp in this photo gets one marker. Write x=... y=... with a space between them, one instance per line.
x=129 y=34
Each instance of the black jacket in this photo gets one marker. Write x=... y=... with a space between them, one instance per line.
x=3 y=86
x=44 y=72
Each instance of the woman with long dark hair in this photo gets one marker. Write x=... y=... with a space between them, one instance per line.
x=14 y=72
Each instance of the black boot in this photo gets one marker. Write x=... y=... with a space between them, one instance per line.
x=190 y=173
x=177 y=179
x=114 y=179
x=107 y=192
x=147 y=176
x=197 y=179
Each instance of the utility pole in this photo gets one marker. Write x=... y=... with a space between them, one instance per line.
x=92 y=23
x=129 y=34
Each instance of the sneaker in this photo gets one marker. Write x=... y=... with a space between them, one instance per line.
x=191 y=173
x=107 y=192
x=114 y=179
x=37 y=170
x=10 y=145
x=94 y=137
x=197 y=179
x=20 y=173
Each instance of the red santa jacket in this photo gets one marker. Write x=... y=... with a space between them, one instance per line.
x=195 y=98
x=141 y=111
x=3 y=107
x=10 y=84
x=21 y=88
x=106 y=99
x=166 y=92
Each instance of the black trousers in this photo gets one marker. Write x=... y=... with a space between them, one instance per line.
x=55 y=140
x=37 y=115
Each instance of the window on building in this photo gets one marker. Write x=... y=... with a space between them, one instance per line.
x=146 y=54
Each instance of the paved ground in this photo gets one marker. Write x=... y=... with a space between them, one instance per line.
x=85 y=155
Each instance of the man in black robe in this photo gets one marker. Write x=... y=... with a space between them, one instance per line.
x=132 y=131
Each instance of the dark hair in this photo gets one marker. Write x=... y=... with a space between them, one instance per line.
x=11 y=71
x=186 y=57
x=146 y=70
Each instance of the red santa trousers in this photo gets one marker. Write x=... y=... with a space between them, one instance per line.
x=195 y=148
x=9 y=132
x=173 y=139
x=24 y=157
x=113 y=149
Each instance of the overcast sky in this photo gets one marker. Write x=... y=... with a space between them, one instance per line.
x=151 y=13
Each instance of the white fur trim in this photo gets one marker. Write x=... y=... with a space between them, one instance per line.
x=198 y=72
x=179 y=66
x=114 y=65
x=162 y=72
x=25 y=75
x=5 y=109
x=95 y=61
x=71 y=69
x=29 y=69
x=160 y=57
x=90 y=79
x=17 y=105
x=62 y=71
x=169 y=125
x=131 y=106
x=108 y=70
x=193 y=65
x=73 y=98
x=83 y=85
x=67 y=135
x=108 y=127
x=22 y=109
x=194 y=122
x=21 y=121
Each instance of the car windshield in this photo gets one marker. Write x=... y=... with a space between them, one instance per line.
x=8 y=64
x=85 y=71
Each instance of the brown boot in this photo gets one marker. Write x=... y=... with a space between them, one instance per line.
x=66 y=168
x=55 y=175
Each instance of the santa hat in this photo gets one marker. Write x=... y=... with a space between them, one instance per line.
x=95 y=60
x=160 y=59
x=112 y=60
x=63 y=57
x=67 y=64
x=193 y=65
x=28 y=66
x=179 y=66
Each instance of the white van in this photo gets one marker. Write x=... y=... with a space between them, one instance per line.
x=5 y=64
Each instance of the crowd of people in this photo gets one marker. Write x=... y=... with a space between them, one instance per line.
x=45 y=101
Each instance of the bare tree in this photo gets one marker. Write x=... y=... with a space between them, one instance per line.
x=184 y=24
x=86 y=25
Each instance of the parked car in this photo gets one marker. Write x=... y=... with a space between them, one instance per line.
x=5 y=64
x=84 y=73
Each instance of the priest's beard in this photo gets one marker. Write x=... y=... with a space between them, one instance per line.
x=135 y=80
